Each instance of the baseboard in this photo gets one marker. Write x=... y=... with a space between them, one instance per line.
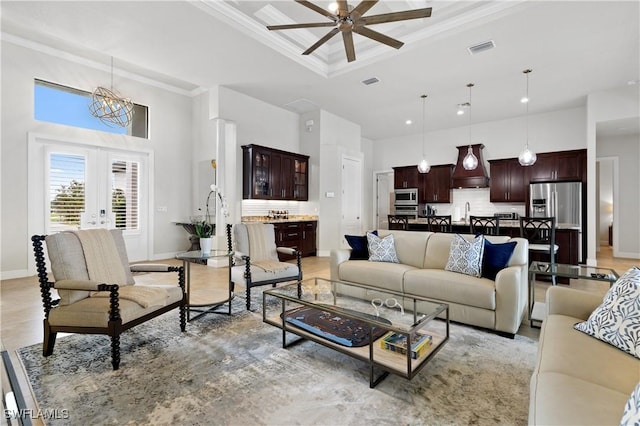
x=627 y=255
x=218 y=262
x=18 y=273
x=164 y=256
x=324 y=253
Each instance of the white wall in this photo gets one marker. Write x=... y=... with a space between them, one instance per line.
x=626 y=225
x=170 y=141
x=605 y=199
x=615 y=104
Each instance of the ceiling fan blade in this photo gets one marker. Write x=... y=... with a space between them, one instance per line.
x=374 y=35
x=347 y=37
x=309 y=25
x=343 y=8
x=397 y=16
x=321 y=41
x=363 y=7
x=317 y=9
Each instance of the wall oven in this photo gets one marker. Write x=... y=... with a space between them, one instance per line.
x=406 y=197
x=410 y=212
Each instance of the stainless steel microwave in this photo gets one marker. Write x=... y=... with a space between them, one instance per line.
x=406 y=197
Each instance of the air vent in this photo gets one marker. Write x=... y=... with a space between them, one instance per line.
x=369 y=81
x=487 y=45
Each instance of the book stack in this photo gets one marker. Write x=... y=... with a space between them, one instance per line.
x=395 y=342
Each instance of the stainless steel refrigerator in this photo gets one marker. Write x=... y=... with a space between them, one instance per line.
x=562 y=200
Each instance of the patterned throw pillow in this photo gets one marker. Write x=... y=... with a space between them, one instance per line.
x=631 y=415
x=382 y=249
x=465 y=256
x=617 y=320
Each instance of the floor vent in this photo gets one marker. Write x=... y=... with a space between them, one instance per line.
x=487 y=45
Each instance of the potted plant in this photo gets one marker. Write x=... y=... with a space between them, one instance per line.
x=204 y=230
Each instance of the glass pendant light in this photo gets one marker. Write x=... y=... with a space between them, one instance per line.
x=527 y=157
x=424 y=165
x=470 y=161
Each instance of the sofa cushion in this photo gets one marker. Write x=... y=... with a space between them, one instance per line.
x=377 y=274
x=568 y=351
x=496 y=257
x=465 y=256
x=359 y=246
x=617 y=320
x=382 y=249
x=410 y=245
x=451 y=287
x=631 y=414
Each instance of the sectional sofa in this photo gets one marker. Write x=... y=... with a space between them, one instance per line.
x=497 y=304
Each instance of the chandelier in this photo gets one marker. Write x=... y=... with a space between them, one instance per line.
x=424 y=165
x=527 y=157
x=109 y=107
x=470 y=161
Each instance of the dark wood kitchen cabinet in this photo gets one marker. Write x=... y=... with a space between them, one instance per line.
x=298 y=235
x=272 y=174
x=559 y=166
x=406 y=177
x=435 y=186
x=507 y=181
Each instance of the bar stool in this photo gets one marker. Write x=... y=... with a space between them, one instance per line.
x=439 y=223
x=541 y=234
x=398 y=223
x=487 y=225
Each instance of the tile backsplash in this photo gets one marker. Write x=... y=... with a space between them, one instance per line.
x=262 y=207
x=478 y=199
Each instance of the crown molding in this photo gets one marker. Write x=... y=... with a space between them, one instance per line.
x=59 y=53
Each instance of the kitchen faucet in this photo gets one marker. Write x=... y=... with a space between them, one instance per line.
x=467 y=209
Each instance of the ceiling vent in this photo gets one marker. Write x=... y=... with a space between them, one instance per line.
x=487 y=45
x=369 y=81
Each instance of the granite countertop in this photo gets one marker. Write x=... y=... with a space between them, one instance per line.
x=291 y=218
x=503 y=223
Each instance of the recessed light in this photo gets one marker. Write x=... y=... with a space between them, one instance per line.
x=408 y=122
x=633 y=82
x=524 y=100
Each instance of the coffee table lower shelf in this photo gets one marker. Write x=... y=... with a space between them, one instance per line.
x=373 y=353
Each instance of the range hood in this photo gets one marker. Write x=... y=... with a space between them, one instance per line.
x=476 y=178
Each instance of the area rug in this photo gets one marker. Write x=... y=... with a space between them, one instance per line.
x=234 y=371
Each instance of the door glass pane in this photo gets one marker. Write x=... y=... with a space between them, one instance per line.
x=125 y=194
x=66 y=191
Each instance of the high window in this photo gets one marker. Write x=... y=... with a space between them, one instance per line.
x=65 y=105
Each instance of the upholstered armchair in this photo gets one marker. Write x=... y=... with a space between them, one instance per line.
x=96 y=289
x=255 y=257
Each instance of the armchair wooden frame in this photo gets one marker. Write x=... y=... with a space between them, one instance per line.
x=247 y=267
x=115 y=325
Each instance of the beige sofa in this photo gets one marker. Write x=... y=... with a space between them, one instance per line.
x=578 y=380
x=498 y=305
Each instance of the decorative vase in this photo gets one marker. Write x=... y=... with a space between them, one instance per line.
x=205 y=245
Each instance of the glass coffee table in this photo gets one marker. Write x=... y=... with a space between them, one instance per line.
x=537 y=310
x=373 y=325
x=205 y=300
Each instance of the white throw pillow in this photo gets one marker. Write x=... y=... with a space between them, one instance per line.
x=631 y=414
x=465 y=256
x=617 y=320
x=382 y=249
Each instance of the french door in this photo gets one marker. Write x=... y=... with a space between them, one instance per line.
x=86 y=187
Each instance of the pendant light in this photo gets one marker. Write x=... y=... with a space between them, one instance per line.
x=424 y=165
x=470 y=161
x=527 y=157
x=109 y=107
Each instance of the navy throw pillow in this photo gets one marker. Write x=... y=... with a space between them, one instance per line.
x=359 y=246
x=496 y=257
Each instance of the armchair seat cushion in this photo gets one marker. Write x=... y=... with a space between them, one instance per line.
x=94 y=311
x=259 y=274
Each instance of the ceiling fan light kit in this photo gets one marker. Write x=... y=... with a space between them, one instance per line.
x=348 y=20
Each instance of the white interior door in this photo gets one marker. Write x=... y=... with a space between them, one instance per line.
x=75 y=186
x=351 y=196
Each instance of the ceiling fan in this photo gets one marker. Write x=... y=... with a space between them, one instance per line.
x=351 y=20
